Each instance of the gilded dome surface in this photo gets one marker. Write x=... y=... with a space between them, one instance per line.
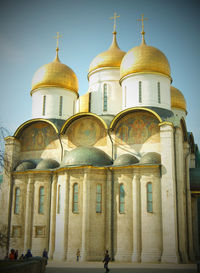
x=110 y=58
x=55 y=74
x=145 y=59
x=177 y=99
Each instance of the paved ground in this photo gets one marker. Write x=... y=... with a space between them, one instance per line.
x=96 y=267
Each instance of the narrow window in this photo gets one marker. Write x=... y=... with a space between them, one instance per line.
x=140 y=91
x=125 y=97
x=159 y=99
x=60 y=106
x=74 y=106
x=58 y=203
x=41 y=200
x=105 y=97
x=149 y=197
x=44 y=106
x=121 y=198
x=98 y=198
x=75 y=198
x=17 y=197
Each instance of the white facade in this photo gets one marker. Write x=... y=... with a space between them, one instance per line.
x=101 y=81
x=146 y=90
x=53 y=103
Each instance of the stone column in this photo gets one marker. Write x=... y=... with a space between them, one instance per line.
x=85 y=216
x=66 y=215
x=136 y=256
x=53 y=216
x=29 y=214
x=61 y=218
x=108 y=212
x=181 y=196
x=188 y=203
x=168 y=195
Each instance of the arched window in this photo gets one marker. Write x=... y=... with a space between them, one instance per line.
x=140 y=91
x=98 y=198
x=121 y=198
x=41 y=201
x=149 y=197
x=105 y=97
x=60 y=105
x=159 y=98
x=75 y=198
x=58 y=203
x=44 y=106
x=17 y=199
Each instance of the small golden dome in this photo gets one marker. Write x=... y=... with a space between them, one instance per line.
x=146 y=59
x=110 y=58
x=55 y=74
x=177 y=99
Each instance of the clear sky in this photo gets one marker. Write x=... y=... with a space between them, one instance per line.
x=27 y=29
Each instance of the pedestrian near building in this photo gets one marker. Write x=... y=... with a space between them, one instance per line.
x=77 y=255
x=106 y=261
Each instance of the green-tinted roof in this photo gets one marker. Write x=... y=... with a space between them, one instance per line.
x=1 y=178
x=195 y=179
x=125 y=160
x=163 y=113
x=151 y=158
x=46 y=164
x=86 y=156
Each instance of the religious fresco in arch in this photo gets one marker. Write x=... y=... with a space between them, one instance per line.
x=38 y=136
x=137 y=128
x=86 y=131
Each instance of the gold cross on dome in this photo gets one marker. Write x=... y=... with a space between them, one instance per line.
x=57 y=37
x=142 y=22
x=114 y=18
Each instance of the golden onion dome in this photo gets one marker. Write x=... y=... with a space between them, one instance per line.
x=144 y=59
x=110 y=58
x=177 y=99
x=55 y=74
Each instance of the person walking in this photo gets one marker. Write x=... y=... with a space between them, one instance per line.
x=106 y=261
x=77 y=255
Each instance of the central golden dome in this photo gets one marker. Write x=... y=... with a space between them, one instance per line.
x=144 y=59
x=177 y=99
x=110 y=58
x=55 y=74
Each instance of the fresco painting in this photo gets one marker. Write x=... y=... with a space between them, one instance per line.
x=86 y=131
x=38 y=136
x=137 y=128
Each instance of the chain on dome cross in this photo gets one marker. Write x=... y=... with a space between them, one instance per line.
x=142 y=22
x=57 y=37
x=114 y=18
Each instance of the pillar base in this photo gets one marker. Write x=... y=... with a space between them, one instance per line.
x=170 y=258
x=136 y=257
x=151 y=257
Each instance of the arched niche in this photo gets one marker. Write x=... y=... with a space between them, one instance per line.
x=136 y=126
x=85 y=129
x=37 y=135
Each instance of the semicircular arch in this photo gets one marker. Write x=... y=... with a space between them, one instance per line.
x=30 y=122
x=80 y=115
x=130 y=110
x=85 y=129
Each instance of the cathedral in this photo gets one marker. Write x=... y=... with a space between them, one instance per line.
x=114 y=169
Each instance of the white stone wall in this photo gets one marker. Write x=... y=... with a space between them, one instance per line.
x=130 y=91
x=52 y=104
x=179 y=113
x=97 y=80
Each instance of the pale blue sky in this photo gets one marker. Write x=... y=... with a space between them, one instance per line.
x=27 y=29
